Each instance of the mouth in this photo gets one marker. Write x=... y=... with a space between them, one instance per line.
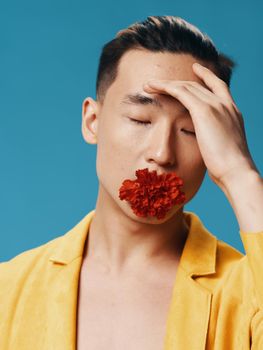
x=152 y=194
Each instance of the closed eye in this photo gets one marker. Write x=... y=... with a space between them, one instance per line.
x=147 y=122
x=139 y=121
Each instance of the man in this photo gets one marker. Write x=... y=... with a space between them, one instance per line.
x=138 y=272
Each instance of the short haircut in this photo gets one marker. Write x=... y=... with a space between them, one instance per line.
x=160 y=34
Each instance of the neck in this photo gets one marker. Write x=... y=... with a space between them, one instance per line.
x=119 y=242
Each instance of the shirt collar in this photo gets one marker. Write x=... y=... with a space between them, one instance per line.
x=198 y=256
x=71 y=245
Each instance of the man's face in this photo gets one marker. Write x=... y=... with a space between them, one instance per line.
x=123 y=146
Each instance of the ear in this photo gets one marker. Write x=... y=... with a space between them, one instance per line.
x=89 y=125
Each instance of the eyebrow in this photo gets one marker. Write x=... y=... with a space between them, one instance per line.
x=139 y=99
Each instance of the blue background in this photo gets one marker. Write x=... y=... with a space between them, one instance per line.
x=48 y=64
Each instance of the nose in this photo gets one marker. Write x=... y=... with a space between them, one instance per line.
x=161 y=148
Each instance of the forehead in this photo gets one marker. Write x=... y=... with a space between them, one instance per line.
x=138 y=66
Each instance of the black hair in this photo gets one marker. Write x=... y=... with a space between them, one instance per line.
x=160 y=34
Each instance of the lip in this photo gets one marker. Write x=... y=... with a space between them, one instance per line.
x=159 y=172
x=152 y=194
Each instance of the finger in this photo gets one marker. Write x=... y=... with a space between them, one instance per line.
x=186 y=82
x=212 y=99
x=180 y=92
x=217 y=85
x=218 y=100
x=203 y=89
x=203 y=96
x=207 y=97
x=203 y=93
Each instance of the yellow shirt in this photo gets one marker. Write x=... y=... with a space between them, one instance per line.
x=217 y=300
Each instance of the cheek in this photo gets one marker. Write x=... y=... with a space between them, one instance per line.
x=114 y=161
x=191 y=166
x=119 y=139
x=193 y=175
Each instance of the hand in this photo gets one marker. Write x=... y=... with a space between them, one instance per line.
x=218 y=124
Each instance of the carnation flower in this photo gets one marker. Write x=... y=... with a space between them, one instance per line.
x=152 y=194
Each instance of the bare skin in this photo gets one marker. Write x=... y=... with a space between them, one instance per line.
x=124 y=312
x=130 y=263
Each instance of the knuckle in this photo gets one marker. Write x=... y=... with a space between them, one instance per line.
x=208 y=109
x=223 y=83
x=219 y=106
x=180 y=86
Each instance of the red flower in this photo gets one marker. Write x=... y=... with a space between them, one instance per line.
x=152 y=194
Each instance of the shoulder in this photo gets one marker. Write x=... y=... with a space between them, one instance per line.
x=34 y=264
x=234 y=278
x=23 y=279
x=217 y=265
x=227 y=255
x=64 y=248
x=18 y=267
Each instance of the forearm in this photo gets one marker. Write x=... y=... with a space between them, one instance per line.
x=245 y=194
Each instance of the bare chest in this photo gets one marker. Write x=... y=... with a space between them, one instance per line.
x=128 y=314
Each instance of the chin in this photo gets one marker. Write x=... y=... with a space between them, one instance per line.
x=153 y=219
